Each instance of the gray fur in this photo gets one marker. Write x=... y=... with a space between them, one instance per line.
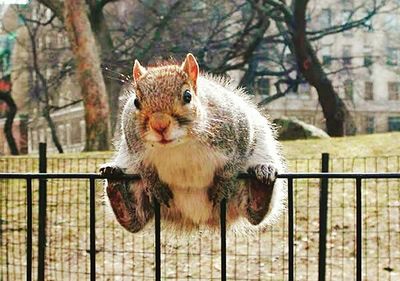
x=225 y=124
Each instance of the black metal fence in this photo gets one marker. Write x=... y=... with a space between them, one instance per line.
x=365 y=211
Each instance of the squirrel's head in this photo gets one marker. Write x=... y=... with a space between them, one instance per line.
x=166 y=105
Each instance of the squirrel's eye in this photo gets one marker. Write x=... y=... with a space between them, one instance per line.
x=187 y=96
x=136 y=103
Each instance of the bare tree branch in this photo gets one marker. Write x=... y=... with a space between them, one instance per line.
x=56 y=6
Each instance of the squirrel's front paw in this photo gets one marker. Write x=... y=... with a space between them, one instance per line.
x=110 y=170
x=265 y=173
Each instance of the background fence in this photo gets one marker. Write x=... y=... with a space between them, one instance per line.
x=123 y=256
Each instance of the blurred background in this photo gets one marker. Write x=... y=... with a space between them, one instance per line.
x=334 y=65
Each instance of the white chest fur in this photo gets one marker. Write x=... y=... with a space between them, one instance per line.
x=188 y=169
x=187 y=166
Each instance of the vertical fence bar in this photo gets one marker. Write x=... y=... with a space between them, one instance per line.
x=157 y=228
x=223 y=238
x=359 y=228
x=42 y=212
x=291 y=229
x=28 y=229
x=92 y=230
x=323 y=218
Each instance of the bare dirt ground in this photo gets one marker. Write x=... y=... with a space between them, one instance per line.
x=263 y=256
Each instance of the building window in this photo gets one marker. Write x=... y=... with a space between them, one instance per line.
x=263 y=86
x=369 y=90
x=61 y=134
x=34 y=14
x=370 y=122
x=393 y=89
x=66 y=41
x=326 y=55
x=47 y=42
x=83 y=131
x=304 y=90
x=40 y=43
x=60 y=40
x=347 y=54
x=348 y=89
x=49 y=137
x=391 y=22
x=30 y=146
x=394 y=123
x=48 y=73
x=367 y=55
x=34 y=139
x=48 y=14
x=392 y=57
x=68 y=134
x=42 y=135
x=325 y=18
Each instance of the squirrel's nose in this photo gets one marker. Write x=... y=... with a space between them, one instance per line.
x=159 y=122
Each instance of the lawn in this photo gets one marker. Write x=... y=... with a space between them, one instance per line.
x=387 y=144
x=123 y=256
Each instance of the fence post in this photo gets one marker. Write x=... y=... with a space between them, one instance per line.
x=223 y=238
x=359 y=228
x=290 y=229
x=42 y=212
x=323 y=218
x=92 y=227
x=157 y=230
x=28 y=229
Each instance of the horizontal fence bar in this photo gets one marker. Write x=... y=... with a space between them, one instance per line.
x=240 y=176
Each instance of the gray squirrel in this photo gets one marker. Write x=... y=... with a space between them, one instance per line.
x=188 y=135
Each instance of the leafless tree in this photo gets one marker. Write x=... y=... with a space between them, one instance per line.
x=41 y=83
x=259 y=38
x=6 y=97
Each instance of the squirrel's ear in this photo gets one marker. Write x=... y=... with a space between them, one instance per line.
x=191 y=68
x=138 y=70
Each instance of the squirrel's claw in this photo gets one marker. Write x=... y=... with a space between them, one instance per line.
x=110 y=170
x=265 y=173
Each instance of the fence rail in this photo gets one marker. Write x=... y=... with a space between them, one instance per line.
x=92 y=178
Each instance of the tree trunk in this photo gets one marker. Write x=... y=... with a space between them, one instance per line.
x=335 y=112
x=89 y=74
x=104 y=40
x=248 y=79
x=11 y=112
x=50 y=123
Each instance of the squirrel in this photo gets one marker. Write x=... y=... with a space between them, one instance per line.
x=188 y=135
